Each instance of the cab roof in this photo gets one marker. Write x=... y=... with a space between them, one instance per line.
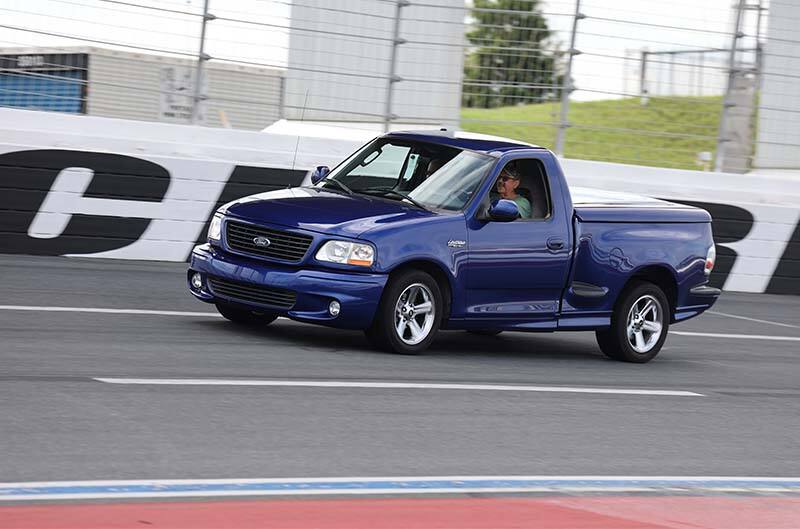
x=472 y=141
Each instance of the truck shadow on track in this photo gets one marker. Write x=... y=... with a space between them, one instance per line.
x=571 y=346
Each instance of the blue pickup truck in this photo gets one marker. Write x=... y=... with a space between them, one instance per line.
x=421 y=231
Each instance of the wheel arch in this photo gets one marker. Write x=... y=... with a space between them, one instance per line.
x=661 y=276
x=439 y=274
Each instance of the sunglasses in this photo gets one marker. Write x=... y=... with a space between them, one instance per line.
x=507 y=178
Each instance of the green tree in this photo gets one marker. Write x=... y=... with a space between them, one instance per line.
x=512 y=58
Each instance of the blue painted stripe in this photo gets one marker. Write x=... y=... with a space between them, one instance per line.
x=155 y=488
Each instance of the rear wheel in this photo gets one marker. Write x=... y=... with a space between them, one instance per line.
x=245 y=316
x=639 y=324
x=409 y=314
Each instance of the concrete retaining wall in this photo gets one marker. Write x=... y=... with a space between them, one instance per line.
x=98 y=187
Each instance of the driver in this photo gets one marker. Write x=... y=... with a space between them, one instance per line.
x=506 y=187
x=434 y=166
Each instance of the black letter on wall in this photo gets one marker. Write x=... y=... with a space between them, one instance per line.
x=27 y=176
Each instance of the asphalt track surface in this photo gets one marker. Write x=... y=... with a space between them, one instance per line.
x=59 y=423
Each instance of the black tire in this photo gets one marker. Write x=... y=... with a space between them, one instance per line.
x=484 y=332
x=615 y=342
x=243 y=316
x=383 y=334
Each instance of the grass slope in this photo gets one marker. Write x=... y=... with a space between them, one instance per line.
x=667 y=132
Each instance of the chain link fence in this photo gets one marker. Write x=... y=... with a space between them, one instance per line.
x=672 y=84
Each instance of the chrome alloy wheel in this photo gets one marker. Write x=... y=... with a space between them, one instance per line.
x=414 y=314
x=644 y=323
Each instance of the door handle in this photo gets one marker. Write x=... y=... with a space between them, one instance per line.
x=555 y=244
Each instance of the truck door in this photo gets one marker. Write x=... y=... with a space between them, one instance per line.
x=516 y=271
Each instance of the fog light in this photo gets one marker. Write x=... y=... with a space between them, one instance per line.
x=334 y=308
x=197 y=281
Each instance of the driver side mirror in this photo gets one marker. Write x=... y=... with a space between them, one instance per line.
x=319 y=173
x=502 y=211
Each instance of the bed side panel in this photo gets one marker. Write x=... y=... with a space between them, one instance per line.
x=608 y=254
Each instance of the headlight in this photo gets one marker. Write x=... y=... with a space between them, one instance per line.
x=345 y=252
x=215 y=228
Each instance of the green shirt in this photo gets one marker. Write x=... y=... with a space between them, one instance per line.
x=524 y=207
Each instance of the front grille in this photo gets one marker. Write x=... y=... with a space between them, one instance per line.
x=284 y=245
x=250 y=293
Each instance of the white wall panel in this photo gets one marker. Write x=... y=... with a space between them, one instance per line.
x=344 y=77
x=778 y=143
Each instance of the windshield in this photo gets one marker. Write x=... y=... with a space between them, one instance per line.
x=427 y=175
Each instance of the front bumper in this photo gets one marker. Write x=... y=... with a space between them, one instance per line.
x=357 y=293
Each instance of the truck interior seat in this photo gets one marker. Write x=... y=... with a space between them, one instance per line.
x=532 y=180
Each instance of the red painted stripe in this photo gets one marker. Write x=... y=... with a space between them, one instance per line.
x=427 y=513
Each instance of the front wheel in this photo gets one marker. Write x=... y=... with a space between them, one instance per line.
x=639 y=325
x=244 y=316
x=409 y=314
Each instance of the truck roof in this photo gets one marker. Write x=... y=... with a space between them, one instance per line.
x=472 y=141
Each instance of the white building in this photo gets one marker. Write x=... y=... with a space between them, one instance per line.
x=120 y=84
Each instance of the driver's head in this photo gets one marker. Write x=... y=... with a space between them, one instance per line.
x=433 y=166
x=507 y=182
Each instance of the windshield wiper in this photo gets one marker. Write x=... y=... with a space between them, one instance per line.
x=386 y=191
x=341 y=185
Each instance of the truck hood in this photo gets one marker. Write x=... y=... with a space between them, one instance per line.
x=323 y=211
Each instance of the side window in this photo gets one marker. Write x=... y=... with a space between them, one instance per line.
x=382 y=167
x=534 y=187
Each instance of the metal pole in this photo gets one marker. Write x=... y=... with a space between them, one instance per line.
x=568 y=87
x=643 y=78
x=282 y=101
x=393 y=77
x=759 y=46
x=700 y=74
x=727 y=102
x=672 y=74
x=202 y=57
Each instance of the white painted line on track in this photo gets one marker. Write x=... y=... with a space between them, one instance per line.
x=146 y=312
x=714 y=312
x=111 y=311
x=389 y=385
x=61 y=490
x=738 y=336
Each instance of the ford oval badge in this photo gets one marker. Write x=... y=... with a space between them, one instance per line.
x=261 y=241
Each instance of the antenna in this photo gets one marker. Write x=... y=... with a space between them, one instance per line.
x=302 y=116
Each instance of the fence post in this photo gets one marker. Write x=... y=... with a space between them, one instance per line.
x=759 y=46
x=202 y=57
x=727 y=102
x=567 y=87
x=643 y=78
x=393 y=77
